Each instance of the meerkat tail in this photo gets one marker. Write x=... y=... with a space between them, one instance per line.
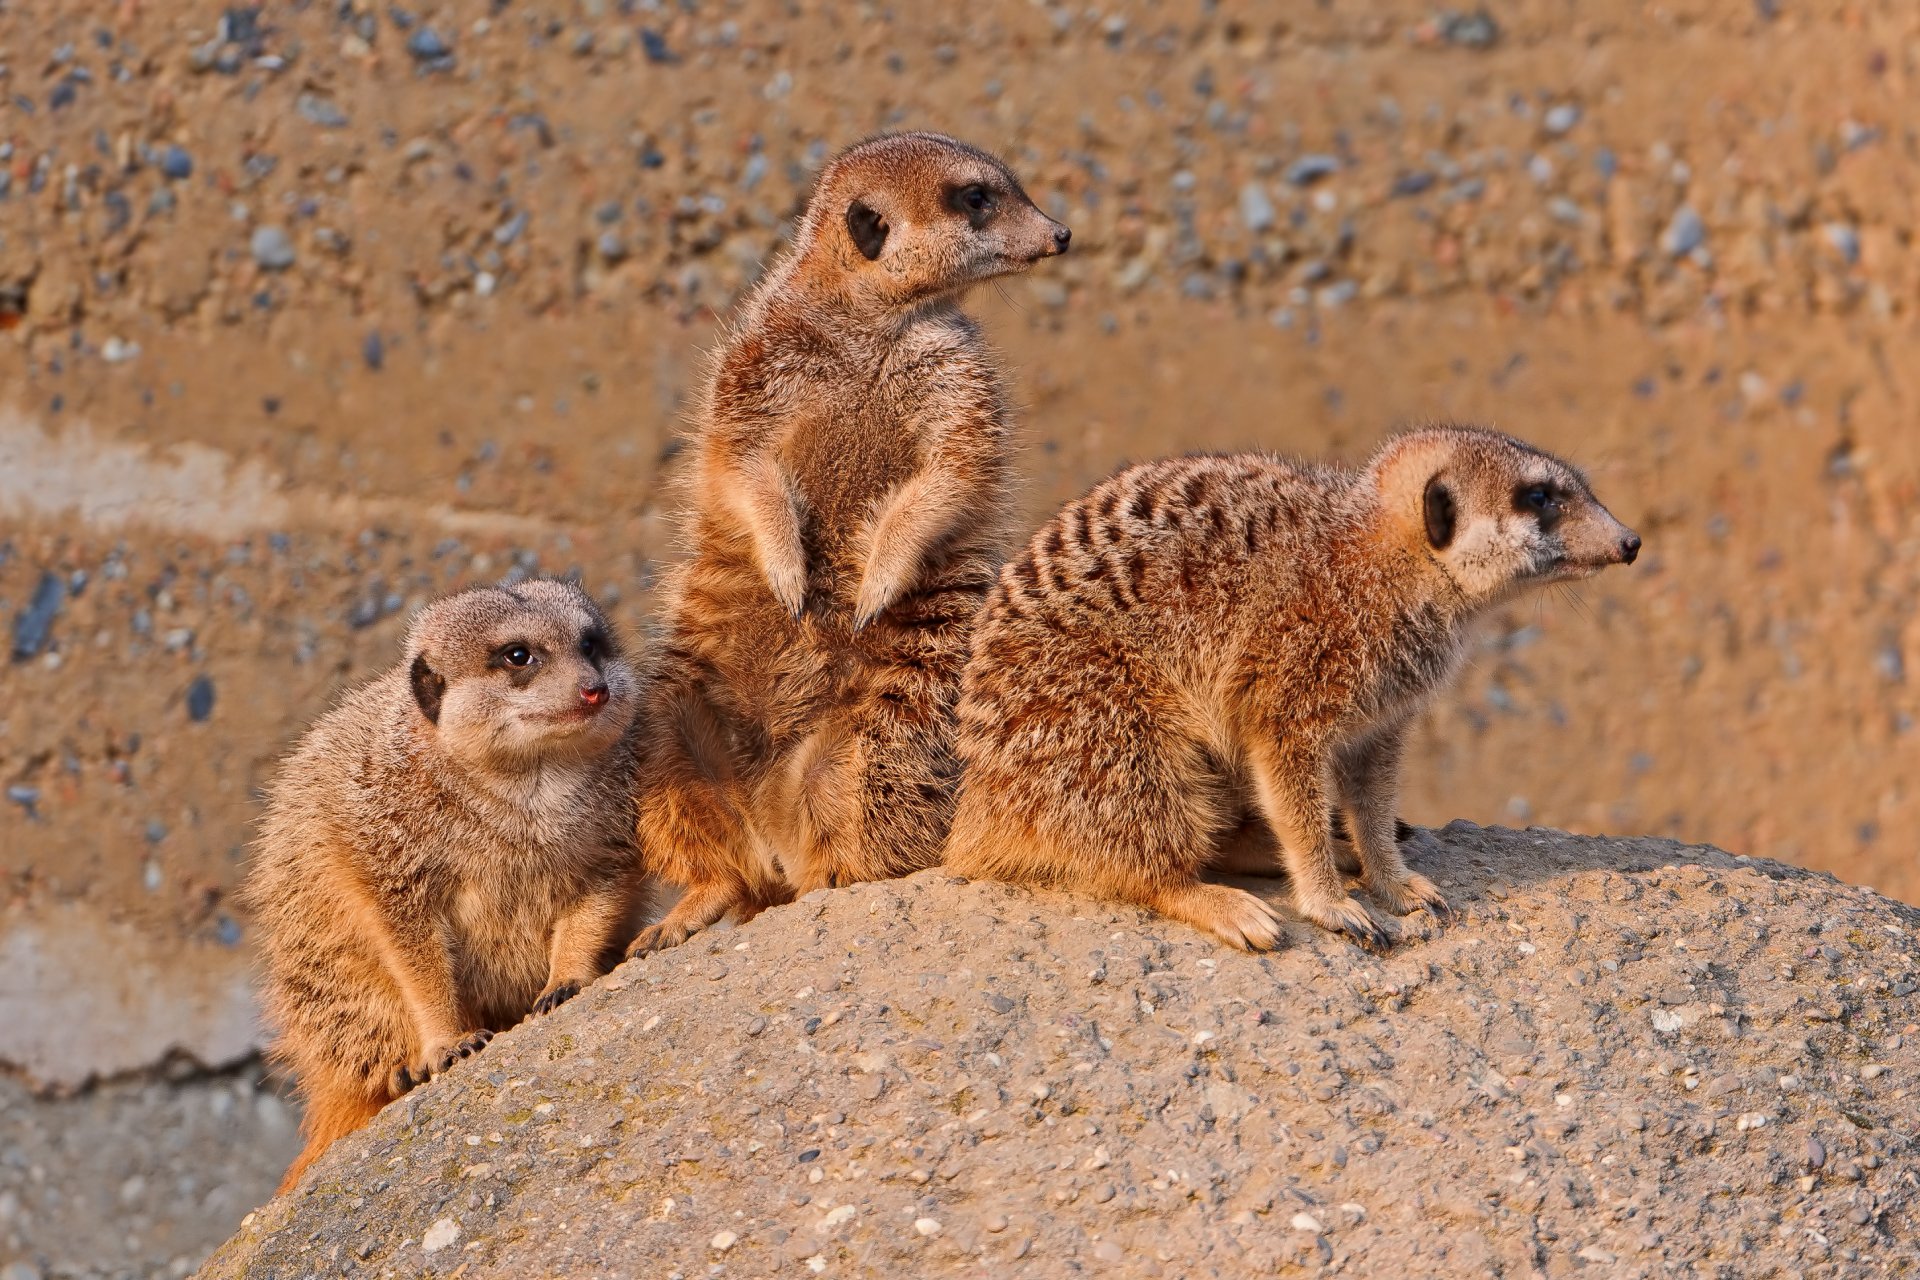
x=332 y=1114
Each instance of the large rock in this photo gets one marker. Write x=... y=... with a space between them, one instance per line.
x=1629 y=1057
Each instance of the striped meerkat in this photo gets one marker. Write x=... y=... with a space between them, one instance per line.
x=1202 y=638
x=849 y=512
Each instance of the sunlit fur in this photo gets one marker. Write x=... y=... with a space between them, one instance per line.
x=1202 y=640
x=848 y=513
x=419 y=883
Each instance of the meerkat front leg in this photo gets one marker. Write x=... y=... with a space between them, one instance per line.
x=416 y=956
x=1367 y=775
x=907 y=524
x=581 y=936
x=1290 y=782
x=765 y=499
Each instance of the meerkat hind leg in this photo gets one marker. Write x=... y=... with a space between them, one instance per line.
x=701 y=906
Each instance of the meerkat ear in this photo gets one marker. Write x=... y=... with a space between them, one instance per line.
x=868 y=229
x=429 y=686
x=1440 y=515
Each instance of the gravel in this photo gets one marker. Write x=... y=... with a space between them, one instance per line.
x=932 y=1077
x=1685 y=233
x=33 y=626
x=272 y=248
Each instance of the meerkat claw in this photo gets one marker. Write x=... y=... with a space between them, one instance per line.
x=555 y=996
x=465 y=1047
x=658 y=937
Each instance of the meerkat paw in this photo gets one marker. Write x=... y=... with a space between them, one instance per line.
x=1411 y=893
x=443 y=1057
x=1234 y=916
x=876 y=596
x=788 y=581
x=556 y=994
x=669 y=933
x=1341 y=914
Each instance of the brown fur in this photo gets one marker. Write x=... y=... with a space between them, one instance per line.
x=447 y=850
x=1205 y=638
x=848 y=514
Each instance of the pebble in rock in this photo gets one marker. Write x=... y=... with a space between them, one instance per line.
x=33 y=626
x=374 y=351
x=1256 y=208
x=200 y=699
x=175 y=163
x=320 y=111
x=272 y=248
x=428 y=45
x=1845 y=241
x=1684 y=234
x=1309 y=169
x=1562 y=118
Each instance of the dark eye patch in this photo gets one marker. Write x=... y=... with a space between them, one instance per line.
x=1543 y=501
x=593 y=644
x=976 y=202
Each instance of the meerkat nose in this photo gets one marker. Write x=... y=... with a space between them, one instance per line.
x=1061 y=235
x=593 y=694
x=1629 y=548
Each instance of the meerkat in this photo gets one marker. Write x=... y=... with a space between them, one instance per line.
x=448 y=850
x=848 y=515
x=1201 y=638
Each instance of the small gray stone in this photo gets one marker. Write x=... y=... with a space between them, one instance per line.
x=320 y=111
x=1309 y=169
x=1844 y=239
x=175 y=163
x=1684 y=233
x=200 y=698
x=1256 y=207
x=272 y=248
x=428 y=45
x=33 y=626
x=1561 y=119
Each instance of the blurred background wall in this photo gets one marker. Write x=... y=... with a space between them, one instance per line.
x=312 y=311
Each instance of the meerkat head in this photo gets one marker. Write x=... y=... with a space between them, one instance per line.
x=907 y=217
x=1494 y=514
x=511 y=676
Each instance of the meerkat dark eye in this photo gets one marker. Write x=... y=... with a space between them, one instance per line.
x=1542 y=500
x=973 y=201
x=517 y=656
x=592 y=645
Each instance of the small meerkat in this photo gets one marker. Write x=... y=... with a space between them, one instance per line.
x=848 y=514
x=1203 y=638
x=447 y=850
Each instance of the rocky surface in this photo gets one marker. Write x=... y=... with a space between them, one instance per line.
x=311 y=311
x=135 y=1177
x=1629 y=1058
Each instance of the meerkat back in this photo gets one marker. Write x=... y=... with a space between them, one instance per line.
x=848 y=515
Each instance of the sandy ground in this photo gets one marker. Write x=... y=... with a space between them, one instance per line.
x=308 y=313
x=1630 y=1058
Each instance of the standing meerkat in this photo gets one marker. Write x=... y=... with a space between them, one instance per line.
x=1202 y=638
x=848 y=516
x=447 y=850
